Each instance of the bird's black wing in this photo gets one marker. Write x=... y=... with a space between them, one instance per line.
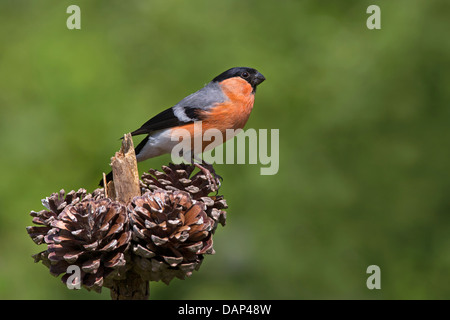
x=190 y=109
x=163 y=120
x=169 y=119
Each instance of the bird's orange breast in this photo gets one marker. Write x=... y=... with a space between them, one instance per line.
x=231 y=114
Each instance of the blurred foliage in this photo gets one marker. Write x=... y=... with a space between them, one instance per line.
x=364 y=136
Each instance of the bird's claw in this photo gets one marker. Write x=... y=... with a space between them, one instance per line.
x=213 y=178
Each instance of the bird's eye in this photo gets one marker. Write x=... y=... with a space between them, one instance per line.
x=245 y=74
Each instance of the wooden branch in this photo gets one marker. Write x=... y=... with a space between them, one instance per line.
x=132 y=288
x=125 y=172
x=123 y=188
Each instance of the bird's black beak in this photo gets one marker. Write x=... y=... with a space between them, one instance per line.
x=258 y=79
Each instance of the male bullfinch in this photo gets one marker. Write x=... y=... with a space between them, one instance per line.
x=224 y=103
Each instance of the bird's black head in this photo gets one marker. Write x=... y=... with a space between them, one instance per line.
x=252 y=76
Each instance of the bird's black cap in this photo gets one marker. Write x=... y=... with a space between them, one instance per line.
x=252 y=76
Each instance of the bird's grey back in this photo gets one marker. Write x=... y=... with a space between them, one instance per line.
x=204 y=98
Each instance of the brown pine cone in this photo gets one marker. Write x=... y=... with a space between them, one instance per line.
x=180 y=177
x=55 y=204
x=171 y=232
x=93 y=235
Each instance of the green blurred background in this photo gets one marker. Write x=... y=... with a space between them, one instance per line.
x=364 y=136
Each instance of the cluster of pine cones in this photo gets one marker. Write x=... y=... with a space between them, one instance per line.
x=160 y=235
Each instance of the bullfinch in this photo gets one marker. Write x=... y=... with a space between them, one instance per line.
x=224 y=103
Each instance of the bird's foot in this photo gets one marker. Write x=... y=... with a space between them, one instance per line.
x=213 y=178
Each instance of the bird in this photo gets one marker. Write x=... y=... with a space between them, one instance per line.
x=224 y=103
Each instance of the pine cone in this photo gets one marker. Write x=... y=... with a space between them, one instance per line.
x=93 y=235
x=55 y=204
x=171 y=232
x=179 y=177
